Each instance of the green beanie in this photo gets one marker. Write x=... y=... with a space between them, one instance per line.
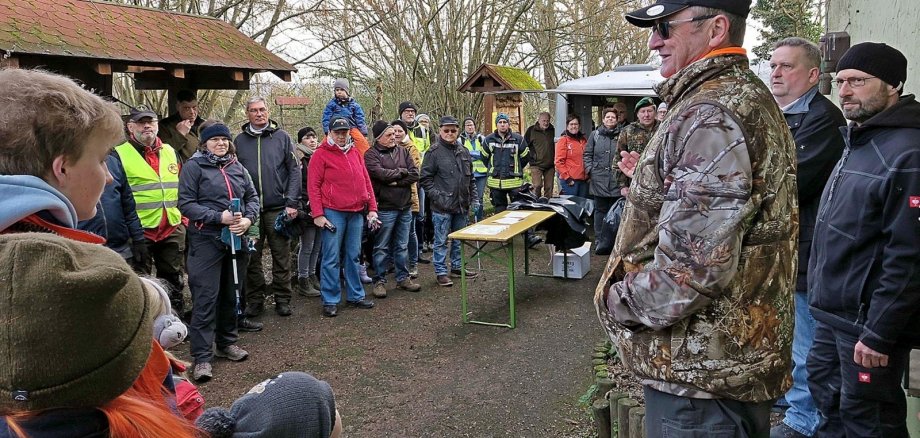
x=75 y=323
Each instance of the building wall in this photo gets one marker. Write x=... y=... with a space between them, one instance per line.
x=893 y=22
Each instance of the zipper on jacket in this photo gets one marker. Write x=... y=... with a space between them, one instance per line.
x=860 y=316
x=830 y=193
x=259 y=159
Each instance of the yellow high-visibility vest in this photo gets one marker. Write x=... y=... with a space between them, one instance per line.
x=153 y=193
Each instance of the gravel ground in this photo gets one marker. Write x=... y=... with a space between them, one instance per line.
x=411 y=368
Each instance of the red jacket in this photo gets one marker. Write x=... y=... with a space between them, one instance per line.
x=570 y=160
x=339 y=180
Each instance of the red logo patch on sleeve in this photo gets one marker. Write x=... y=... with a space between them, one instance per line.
x=865 y=378
x=914 y=202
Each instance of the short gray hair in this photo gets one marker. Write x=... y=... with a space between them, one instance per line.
x=255 y=99
x=812 y=52
x=736 y=23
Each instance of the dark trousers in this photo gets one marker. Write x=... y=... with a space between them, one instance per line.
x=281 y=264
x=501 y=198
x=671 y=416
x=602 y=205
x=167 y=258
x=210 y=273
x=855 y=401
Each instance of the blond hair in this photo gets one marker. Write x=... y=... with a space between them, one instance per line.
x=45 y=116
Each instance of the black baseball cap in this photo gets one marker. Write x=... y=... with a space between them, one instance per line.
x=448 y=120
x=339 y=124
x=645 y=17
x=140 y=113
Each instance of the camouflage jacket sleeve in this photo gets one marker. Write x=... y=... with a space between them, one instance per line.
x=705 y=168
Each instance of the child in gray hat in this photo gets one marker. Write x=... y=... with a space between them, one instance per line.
x=293 y=404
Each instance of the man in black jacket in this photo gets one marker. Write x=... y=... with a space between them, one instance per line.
x=863 y=280
x=540 y=138
x=267 y=152
x=447 y=177
x=815 y=124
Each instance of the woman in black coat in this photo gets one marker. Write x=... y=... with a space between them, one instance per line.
x=207 y=184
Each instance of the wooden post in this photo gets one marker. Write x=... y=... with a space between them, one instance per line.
x=623 y=407
x=601 y=410
x=604 y=386
x=614 y=397
x=637 y=423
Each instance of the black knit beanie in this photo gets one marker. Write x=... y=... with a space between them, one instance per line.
x=404 y=106
x=877 y=59
x=379 y=128
x=304 y=132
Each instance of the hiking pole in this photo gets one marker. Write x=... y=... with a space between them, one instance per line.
x=234 y=241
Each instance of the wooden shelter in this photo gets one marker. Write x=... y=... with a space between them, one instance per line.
x=503 y=88
x=91 y=40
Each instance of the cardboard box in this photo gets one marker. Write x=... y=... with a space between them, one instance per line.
x=578 y=262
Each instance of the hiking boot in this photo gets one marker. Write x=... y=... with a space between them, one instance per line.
x=380 y=290
x=314 y=281
x=330 y=311
x=245 y=324
x=305 y=289
x=362 y=274
x=469 y=274
x=423 y=260
x=363 y=304
x=444 y=281
x=283 y=309
x=408 y=285
x=413 y=272
x=202 y=372
x=533 y=240
x=231 y=352
x=255 y=310
x=781 y=430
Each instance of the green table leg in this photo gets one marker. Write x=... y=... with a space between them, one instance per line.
x=511 y=282
x=466 y=318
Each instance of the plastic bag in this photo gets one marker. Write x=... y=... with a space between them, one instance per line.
x=609 y=230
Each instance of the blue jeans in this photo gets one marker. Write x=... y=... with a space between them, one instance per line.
x=480 y=193
x=347 y=239
x=579 y=189
x=802 y=415
x=393 y=233
x=444 y=224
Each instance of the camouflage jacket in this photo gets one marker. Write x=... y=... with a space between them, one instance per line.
x=633 y=138
x=697 y=295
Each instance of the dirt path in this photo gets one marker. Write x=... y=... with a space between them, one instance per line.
x=410 y=368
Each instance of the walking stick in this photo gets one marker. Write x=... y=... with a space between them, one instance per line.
x=234 y=242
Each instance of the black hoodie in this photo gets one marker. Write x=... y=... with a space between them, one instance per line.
x=864 y=272
x=269 y=158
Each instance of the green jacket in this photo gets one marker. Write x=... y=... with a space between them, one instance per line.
x=698 y=292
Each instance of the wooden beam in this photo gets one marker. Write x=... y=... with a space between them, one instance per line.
x=11 y=62
x=142 y=69
x=284 y=75
x=177 y=72
x=238 y=76
x=103 y=68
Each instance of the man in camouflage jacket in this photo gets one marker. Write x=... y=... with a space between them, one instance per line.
x=697 y=295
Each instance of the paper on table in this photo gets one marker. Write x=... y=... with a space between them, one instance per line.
x=508 y=220
x=518 y=214
x=485 y=230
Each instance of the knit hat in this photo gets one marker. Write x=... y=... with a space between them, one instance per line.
x=644 y=102
x=343 y=84
x=75 y=323
x=663 y=106
x=421 y=117
x=402 y=124
x=305 y=132
x=379 y=128
x=406 y=105
x=469 y=119
x=877 y=59
x=293 y=404
x=215 y=130
x=502 y=116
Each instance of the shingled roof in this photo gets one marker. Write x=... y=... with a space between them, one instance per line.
x=129 y=34
x=492 y=78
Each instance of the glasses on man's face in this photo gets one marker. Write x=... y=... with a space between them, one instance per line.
x=663 y=28
x=449 y=130
x=258 y=110
x=144 y=122
x=853 y=82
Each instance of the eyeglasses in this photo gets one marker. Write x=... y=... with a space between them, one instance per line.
x=449 y=131
x=663 y=28
x=258 y=110
x=853 y=82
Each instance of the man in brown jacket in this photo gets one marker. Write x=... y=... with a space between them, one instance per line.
x=180 y=129
x=697 y=295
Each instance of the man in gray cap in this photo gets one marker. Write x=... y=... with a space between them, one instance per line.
x=697 y=295
x=864 y=285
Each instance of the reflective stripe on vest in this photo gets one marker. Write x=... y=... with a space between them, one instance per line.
x=152 y=192
x=478 y=165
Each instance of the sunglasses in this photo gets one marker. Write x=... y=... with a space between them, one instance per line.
x=450 y=131
x=663 y=28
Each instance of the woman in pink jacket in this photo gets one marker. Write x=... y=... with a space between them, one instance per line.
x=340 y=194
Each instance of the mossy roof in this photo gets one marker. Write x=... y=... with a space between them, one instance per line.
x=508 y=78
x=113 y=32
